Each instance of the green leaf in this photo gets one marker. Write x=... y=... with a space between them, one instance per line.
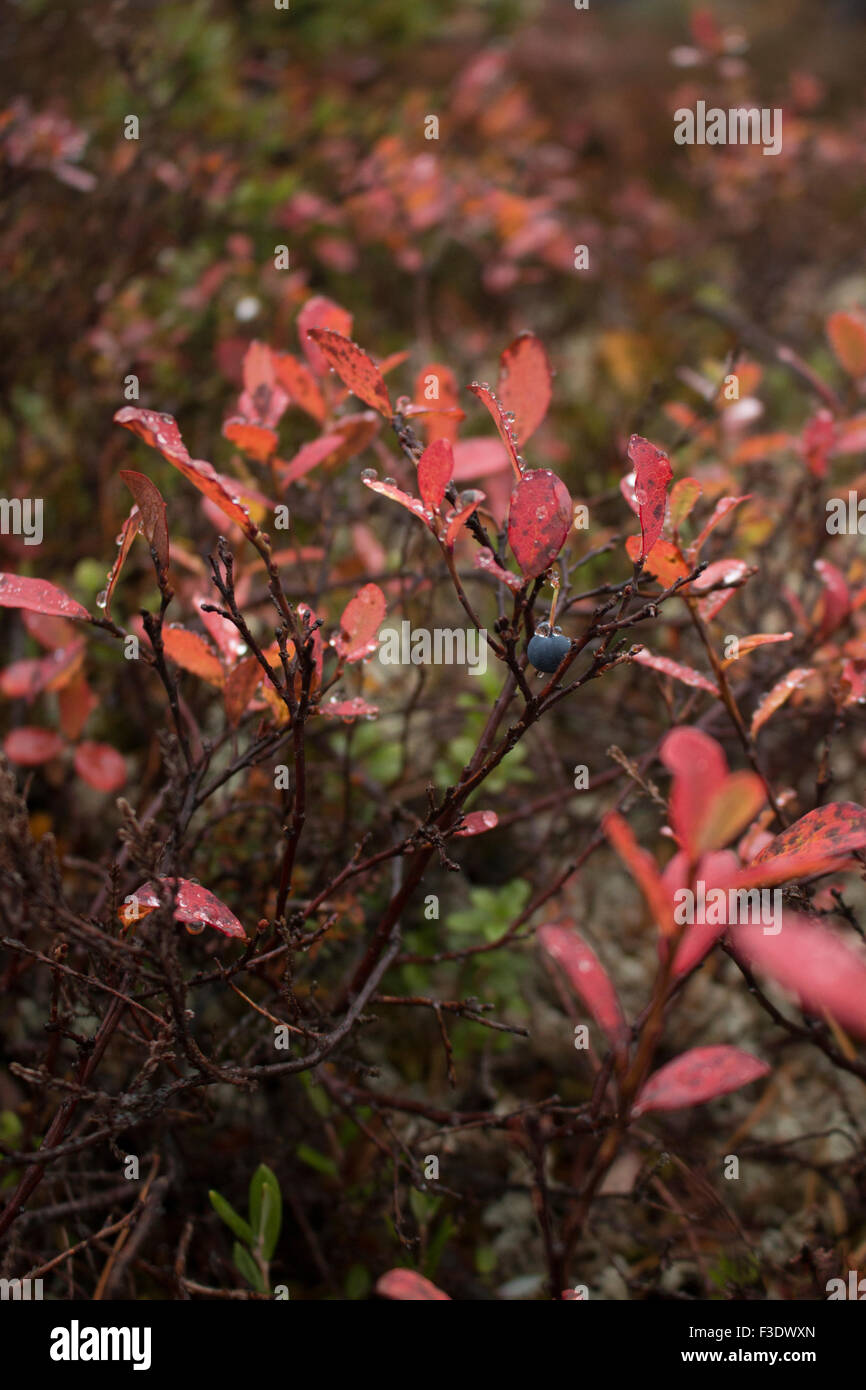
x=230 y=1217
x=266 y=1209
x=320 y=1162
x=358 y=1282
x=247 y=1266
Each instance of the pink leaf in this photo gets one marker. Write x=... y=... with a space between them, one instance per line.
x=525 y=388
x=686 y=674
x=39 y=596
x=643 y=869
x=308 y=457
x=813 y=963
x=29 y=745
x=347 y=710
x=320 y=312
x=407 y=1286
x=539 y=518
x=698 y=1076
x=723 y=507
x=775 y=698
x=355 y=369
x=435 y=467
x=653 y=473
x=193 y=904
x=478 y=458
x=700 y=771
x=360 y=622
x=477 y=823
x=586 y=975
x=101 y=766
x=835 y=603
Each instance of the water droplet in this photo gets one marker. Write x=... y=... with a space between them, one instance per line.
x=369 y=473
x=102 y=599
x=195 y=928
x=541 y=513
x=390 y=482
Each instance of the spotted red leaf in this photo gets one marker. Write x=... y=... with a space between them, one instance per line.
x=29 y=745
x=539 y=517
x=355 y=369
x=407 y=1285
x=193 y=904
x=819 y=841
x=652 y=474
x=585 y=974
x=826 y=974
x=525 y=384
x=320 y=312
x=17 y=591
x=162 y=433
x=686 y=674
x=476 y=823
x=435 y=467
x=360 y=622
x=503 y=422
x=101 y=766
x=193 y=653
x=698 y=1076
x=151 y=510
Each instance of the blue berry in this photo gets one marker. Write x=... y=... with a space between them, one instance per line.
x=547 y=649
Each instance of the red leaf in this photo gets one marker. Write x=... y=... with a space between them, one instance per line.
x=406 y=1285
x=161 y=432
x=320 y=312
x=652 y=474
x=412 y=504
x=229 y=641
x=355 y=432
x=700 y=771
x=485 y=560
x=362 y=617
x=539 y=517
x=664 y=560
x=263 y=401
x=101 y=766
x=29 y=745
x=835 y=602
x=723 y=507
x=435 y=467
x=686 y=674
x=731 y=571
x=815 y=964
x=193 y=653
x=504 y=424
x=586 y=975
x=355 y=369
x=50 y=633
x=193 y=904
x=151 y=508
x=643 y=869
x=128 y=533
x=775 y=698
x=308 y=457
x=77 y=702
x=525 y=388
x=256 y=440
x=847 y=334
x=698 y=1076
x=301 y=385
x=757 y=639
x=456 y=519
x=476 y=823
x=39 y=596
x=240 y=686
